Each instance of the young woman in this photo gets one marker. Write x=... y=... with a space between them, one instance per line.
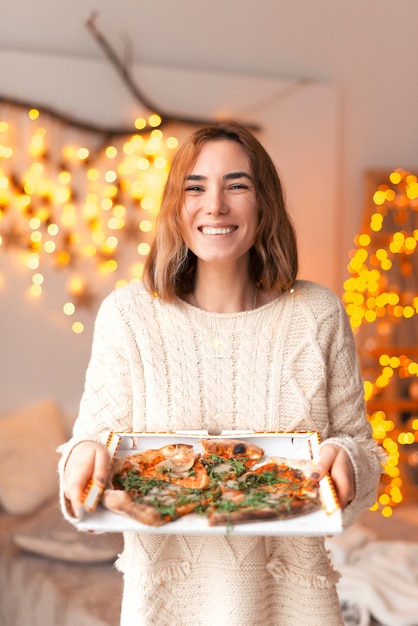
x=220 y=334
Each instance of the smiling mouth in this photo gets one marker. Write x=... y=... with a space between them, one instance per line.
x=210 y=230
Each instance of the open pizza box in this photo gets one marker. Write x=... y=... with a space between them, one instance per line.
x=296 y=445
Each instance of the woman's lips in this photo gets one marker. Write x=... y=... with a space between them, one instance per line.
x=217 y=230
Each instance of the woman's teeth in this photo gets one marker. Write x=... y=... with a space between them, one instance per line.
x=209 y=230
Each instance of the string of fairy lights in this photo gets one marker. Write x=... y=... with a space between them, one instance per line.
x=381 y=298
x=69 y=200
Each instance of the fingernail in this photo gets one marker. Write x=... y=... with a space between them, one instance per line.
x=315 y=476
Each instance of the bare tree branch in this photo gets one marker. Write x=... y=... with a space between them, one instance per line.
x=123 y=70
x=106 y=131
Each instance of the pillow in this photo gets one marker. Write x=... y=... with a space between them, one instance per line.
x=48 y=534
x=28 y=457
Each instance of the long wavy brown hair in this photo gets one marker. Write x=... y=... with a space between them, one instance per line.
x=170 y=266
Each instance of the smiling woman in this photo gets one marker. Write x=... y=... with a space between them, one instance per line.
x=223 y=178
x=219 y=221
x=221 y=333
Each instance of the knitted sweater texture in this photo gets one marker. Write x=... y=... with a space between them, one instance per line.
x=288 y=365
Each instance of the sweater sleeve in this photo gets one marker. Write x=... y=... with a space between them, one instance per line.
x=349 y=427
x=106 y=403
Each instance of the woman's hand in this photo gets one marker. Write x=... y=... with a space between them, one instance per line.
x=336 y=461
x=88 y=460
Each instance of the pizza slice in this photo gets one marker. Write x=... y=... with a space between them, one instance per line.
x=154 y=502
x=245 y=451
x=176 y=463
x=158 y=486
x=272 y=491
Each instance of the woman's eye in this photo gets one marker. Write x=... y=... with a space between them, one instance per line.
x=238 y=186
x=194 y=188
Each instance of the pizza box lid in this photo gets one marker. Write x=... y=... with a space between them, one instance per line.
x=289 y=445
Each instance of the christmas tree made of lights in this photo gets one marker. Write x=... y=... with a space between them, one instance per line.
x=381 y=299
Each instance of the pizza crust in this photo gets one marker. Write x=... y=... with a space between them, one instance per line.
x=245 y=516
x=120 y=501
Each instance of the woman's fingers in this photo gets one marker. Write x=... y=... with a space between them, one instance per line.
x=327 y=457
x=336 y=461
x=87 y=461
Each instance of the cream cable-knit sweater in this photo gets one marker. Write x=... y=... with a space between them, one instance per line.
x=288 y=365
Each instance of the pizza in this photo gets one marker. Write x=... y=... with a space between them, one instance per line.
x=229 y=481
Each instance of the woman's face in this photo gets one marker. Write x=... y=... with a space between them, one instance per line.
x=220 y=215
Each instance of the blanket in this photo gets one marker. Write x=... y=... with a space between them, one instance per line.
x=378 y=577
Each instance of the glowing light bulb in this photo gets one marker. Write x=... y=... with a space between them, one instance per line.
x=154 y=120
x=68 y=308
x=83 y=154
x=111 y=152
x=143 y=249
x=172 y=143
x=140 y=123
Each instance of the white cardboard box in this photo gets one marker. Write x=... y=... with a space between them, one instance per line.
x=299 y=445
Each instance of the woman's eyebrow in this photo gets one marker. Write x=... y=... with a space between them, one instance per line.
x=195 y=177
x=234 y=175
x=229 y=176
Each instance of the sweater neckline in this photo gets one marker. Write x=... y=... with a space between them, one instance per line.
x=252 y=313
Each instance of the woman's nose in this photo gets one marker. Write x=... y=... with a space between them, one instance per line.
x=215 y=202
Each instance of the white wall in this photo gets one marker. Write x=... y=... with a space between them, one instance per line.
x=40 y=356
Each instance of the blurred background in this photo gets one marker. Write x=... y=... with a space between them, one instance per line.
x=94 y=100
